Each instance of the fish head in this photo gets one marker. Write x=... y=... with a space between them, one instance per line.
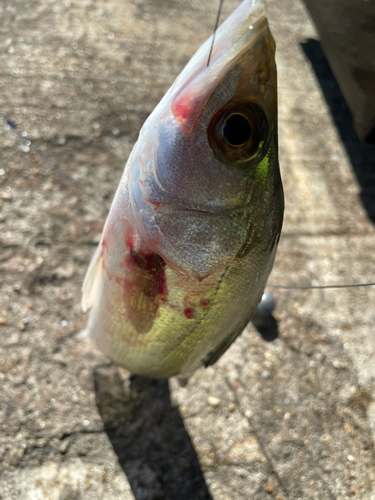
x=204 y=171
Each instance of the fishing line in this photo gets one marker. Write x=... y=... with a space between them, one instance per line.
x=215 y=29
x=55 y=166
x=318 y=287
x=52 y=163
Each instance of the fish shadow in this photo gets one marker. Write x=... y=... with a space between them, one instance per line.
x=362 y=155
x=266 y=326
x=149 y=437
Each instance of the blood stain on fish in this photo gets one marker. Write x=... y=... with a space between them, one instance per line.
x=155 y=204
x=145 y=287
x=189 y=313
x=205 y=303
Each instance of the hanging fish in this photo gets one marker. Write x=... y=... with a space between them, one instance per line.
x=192 y=233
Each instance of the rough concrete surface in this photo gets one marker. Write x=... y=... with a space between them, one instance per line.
x=290 y=419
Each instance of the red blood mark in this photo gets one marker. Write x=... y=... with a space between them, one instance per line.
x=189 y=313
x=130 y=240
x=141 y=182
x=156 y=204
x=104 y=246
x=182 y=109
x=205 y=303
x=145 y=287
x=187 y=109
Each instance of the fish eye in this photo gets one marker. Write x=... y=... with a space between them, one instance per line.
x=238 y=132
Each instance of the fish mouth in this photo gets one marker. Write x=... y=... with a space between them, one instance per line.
x=194 y=87
x=238 y=30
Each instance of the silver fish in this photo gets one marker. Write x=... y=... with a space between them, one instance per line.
x=192 y=233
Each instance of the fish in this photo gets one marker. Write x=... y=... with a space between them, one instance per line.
x=192 y=232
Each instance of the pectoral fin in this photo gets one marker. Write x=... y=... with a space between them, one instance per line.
x=92 y=279
x=216 y=354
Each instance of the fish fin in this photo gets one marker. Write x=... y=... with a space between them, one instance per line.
x=92 y=279
x=183 y=380
x=216 y=354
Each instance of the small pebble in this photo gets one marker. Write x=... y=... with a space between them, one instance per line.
x=214 y=402
x=270 y=487
x=266 y=374
x=350 y=458
x=339 y=365
x=234 y=385
x=61 y=361
x=22 y=325
x=286 y=451
x=6 y=196
x=64 y=446
x=3 y=321
x=231 y=407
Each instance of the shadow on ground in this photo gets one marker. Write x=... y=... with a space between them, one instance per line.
x=148 y=435
x=266 y=326
x=362 y=156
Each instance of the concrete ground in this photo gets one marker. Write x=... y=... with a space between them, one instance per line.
x=290 y=419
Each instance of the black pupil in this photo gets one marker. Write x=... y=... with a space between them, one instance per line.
x=237 y=130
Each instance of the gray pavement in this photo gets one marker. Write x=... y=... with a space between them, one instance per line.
x=291 y=419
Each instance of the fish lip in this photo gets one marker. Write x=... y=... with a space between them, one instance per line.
x=241 y=18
